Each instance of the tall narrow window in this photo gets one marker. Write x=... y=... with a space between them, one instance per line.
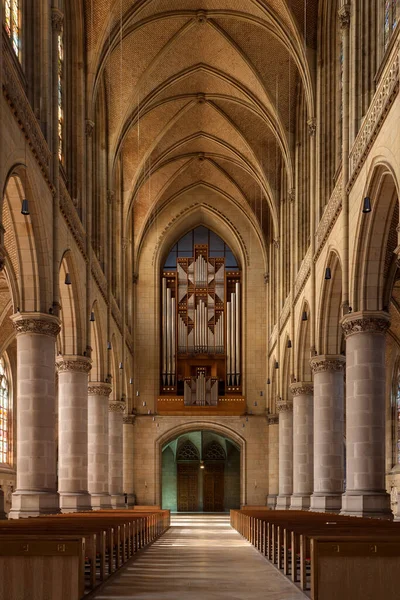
x=12 y=23
x=61 y=96
x=392 y=10
x=4 y=414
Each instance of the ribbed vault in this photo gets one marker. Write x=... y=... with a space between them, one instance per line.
x=201 y=92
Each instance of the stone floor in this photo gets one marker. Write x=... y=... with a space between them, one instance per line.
x=200 y=558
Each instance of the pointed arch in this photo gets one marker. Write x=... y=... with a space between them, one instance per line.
x=71 y=336
x=330 y=335
x=304 y=345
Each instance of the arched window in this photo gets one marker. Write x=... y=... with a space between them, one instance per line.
x=12 y=23
x=188 y=451
x=390 y=19
x=4 y=414
x=60 y=100
x=396 y=418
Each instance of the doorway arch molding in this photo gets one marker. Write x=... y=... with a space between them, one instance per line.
x=200 y=425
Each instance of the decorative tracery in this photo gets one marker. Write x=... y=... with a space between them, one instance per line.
x=214 y=451
x=12 y=23
x=4 y=414
x=188 y=451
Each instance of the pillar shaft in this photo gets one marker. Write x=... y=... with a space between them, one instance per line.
x=36 y=415
x=128 y=485
x=273 y=460
x=115 y=453
x=98 y=394
x=303 y=445
x=365 y=414
x=285 y=410
x=328 y=432
x=73 y=433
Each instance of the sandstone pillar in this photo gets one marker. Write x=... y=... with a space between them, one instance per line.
x=128 y=486
x=73 y=433
x=365 y=494
x=98 y=394
x=285 y=410
x=273 y=460
x=115 y=453
x=328 y=373
x=36 y=415
x=303 y=445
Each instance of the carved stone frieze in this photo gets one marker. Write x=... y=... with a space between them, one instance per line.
x=74 y=223
x=128 y=419
x=365 y=322
x=284 y=405
x=116 y=313
x=302 y=388
x=38 y=323
x=285 y=312
x=117 y=406
x=99 y=389
x=329 y=217
x=273 y=419
x=75 y=364
x=99 y=276
x=330 y=363
x=303 y=274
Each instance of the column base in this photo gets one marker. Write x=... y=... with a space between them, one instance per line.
x=33 y=504
x=118 y=501
x=367 y=504
x=70 y=502
x=271 y=501
x=299 y=502
x=329 y=503
x=99 y=501
x=283 y=502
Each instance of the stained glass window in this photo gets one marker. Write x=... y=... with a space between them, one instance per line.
x=391 y=15
x=12 y=23
x=397 y=427
x=4 y=414
x=61 y=96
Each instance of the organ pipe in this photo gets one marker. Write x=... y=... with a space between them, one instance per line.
x=233 y=336
x=164 y=325
x=173 y=339
x=237 y=333
x=228 y=341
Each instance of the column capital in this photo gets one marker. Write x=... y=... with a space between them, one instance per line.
x=302 y=388
x=344 y=16
x=89 y=127
x=273 y=419
x=312 y=126
x=284 y=405
x=98 y=388
x=35 y=322
x=57 y=19
x=327 y=362
x=73 y=364
x=116 y=406
x=376 y=322
x=128 y=419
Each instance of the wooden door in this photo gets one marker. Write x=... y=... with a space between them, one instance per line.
x=188 y=487
x=213 y=489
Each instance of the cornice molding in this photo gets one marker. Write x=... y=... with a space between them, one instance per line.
x=327 y=363
x=366 y=322
x=36 y=323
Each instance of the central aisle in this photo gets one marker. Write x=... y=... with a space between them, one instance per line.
x=199 y=558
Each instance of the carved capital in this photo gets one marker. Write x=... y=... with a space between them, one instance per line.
x=73 y=364
x=89 y=127
x=302 y=388
x=292 y=195
x=116 y=406
x=124 y=243
x=331 y=363
x=284 y=405
x=128 y=419
x=57 y=20
x=365 y=322
x=110 y=196
x=276 y=243
x=273 y=419
x=312 y=126
x=344 y=16
x=99 y=389
x=38 y=323
x=266 y=278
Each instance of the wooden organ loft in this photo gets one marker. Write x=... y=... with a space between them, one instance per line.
x=201 y=367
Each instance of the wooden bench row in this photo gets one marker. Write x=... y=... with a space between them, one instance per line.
x=68 y=555
x=328 y=556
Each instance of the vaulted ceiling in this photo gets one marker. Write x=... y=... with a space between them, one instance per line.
x=201 y=92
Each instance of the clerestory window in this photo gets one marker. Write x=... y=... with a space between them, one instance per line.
x=4 y=414
x=12 y=24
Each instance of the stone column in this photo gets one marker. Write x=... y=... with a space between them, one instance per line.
x=328 y=373
x=73 y=433
x=128 y=421
x=273 y=460
x=285 y=410
x=36 y=491
x=365 y=494
x=303 y=445
x=98 y=394
x=115 y=453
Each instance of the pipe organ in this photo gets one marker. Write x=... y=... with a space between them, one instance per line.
x=201 y=329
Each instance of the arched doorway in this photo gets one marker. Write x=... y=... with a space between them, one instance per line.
x=200 y=473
